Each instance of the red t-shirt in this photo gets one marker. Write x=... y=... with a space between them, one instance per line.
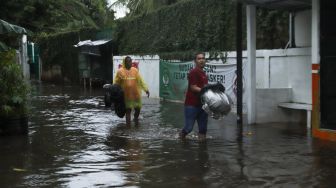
x=196 y=77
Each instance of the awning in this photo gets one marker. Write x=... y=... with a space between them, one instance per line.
x=6 y=27
x=280 y=4
x=91 y=43
x=91 y=47
x=3 y=46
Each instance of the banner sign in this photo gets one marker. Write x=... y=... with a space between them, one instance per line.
x=174 y=78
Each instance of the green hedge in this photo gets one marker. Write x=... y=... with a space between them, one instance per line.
x=173 y=32
x=14 y=89
x=198 y=25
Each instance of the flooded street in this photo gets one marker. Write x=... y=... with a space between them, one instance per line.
x=74 y=141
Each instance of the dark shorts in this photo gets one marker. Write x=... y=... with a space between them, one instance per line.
x=192 y=114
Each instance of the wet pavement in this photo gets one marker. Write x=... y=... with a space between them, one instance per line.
x=74 y=141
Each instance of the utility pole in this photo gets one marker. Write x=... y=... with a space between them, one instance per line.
x=239 y=65
x=239 y=72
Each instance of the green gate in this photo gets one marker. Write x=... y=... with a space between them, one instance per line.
x=34 y=63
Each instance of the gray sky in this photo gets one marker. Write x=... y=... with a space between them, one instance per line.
x=120 y=11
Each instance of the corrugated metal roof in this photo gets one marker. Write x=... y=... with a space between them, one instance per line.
x=91 y=43
x=6 y=27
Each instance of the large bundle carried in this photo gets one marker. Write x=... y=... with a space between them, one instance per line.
x=114 y=94
x=215 y=101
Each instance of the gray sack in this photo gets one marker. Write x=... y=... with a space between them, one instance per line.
x=216 y=103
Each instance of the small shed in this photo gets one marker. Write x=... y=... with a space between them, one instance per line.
x=10 y=34
x=95 y=62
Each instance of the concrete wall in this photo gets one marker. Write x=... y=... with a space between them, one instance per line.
x=279 y=68
x=283 y=68
x=282 y=76
x=302 y=28
x=290 y=68
x=296 y=75
x=268 y=110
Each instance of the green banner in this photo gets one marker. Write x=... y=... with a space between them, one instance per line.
x=174 y=79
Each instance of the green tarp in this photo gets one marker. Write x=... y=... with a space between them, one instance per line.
x=6 y=28
x=3 y=46
x=174 y=81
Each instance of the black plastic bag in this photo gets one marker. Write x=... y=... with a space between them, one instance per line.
x=114 y=94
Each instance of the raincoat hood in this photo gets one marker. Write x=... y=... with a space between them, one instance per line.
x=123 y=63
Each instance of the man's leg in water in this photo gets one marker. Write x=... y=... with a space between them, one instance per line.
x=202 y=121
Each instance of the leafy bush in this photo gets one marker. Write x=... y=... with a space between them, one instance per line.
x=13 y=88
x=179 y=30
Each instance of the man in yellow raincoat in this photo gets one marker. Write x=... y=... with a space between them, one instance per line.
x=132 y=83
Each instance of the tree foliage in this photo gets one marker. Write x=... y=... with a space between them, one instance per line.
x=13 y=87
x=138 y=7
x=199 y=25
x=57 y=26
x=180 y=29
x=272 y=28
x=171 y=28
x=52 y=16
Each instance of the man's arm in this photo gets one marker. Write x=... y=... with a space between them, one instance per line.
x=195 y=88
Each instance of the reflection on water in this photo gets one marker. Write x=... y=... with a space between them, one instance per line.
x=74 y=141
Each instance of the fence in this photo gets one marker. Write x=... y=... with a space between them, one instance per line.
x=282 y=76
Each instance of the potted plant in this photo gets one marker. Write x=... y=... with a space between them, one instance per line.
x=13 y=96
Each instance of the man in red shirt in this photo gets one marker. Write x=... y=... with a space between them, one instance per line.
x=193 y=111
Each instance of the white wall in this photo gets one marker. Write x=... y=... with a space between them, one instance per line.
x=149 y=68
x=283 y=68
x=302 y=28
x=288 y=74
x=279 y=68
x=267 y=101
x=293 y=70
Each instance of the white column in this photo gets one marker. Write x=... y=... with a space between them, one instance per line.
x=267 y=76
x=24 y=55
x=251 y=64
x=315 y=32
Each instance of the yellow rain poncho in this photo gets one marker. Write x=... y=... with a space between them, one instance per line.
x=132 y=84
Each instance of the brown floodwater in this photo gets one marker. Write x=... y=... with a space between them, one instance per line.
x=74 y=141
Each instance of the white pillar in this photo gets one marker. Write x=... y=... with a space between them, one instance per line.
x=315 y=32
x=24 y=57
x=267 y=76
x=251 y=64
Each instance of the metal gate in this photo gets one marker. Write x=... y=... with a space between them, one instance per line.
x=328 y=64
